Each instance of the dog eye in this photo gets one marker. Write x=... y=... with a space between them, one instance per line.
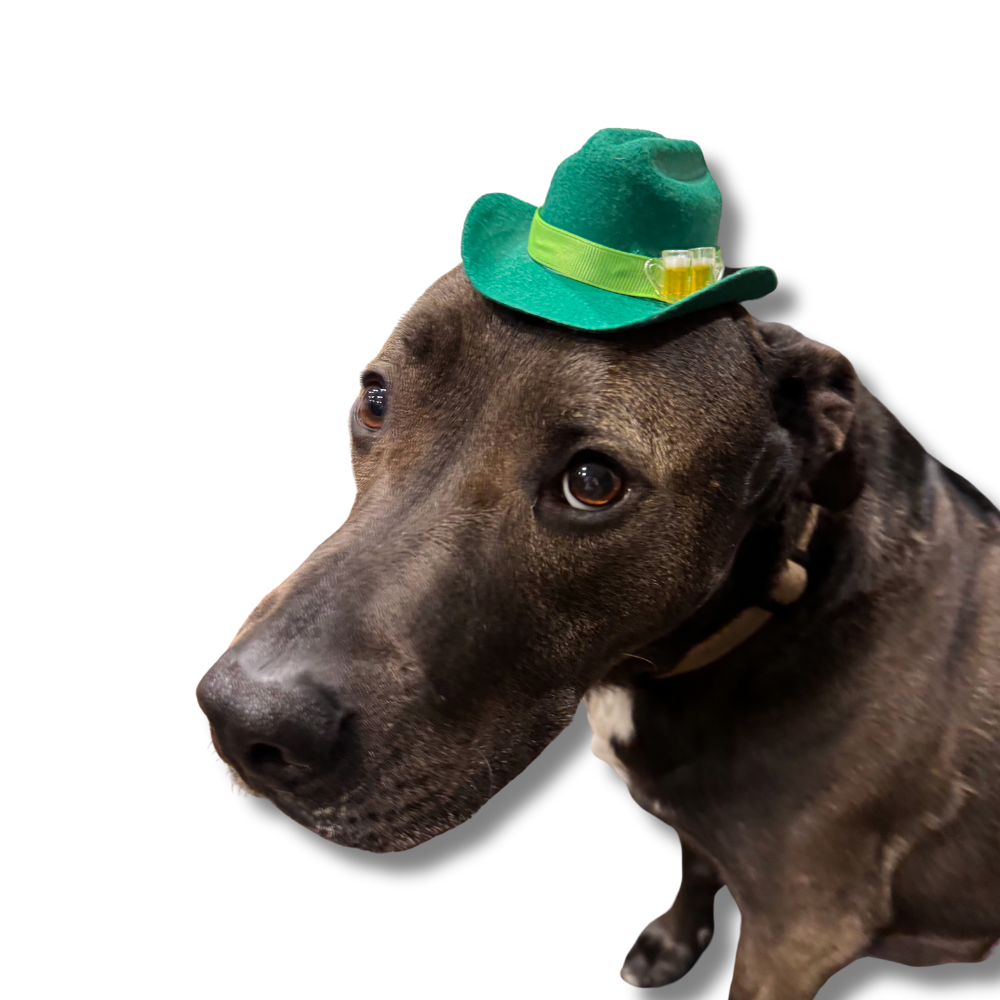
x=371 y=410
x=589 y=483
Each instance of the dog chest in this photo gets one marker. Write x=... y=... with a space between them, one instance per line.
x=609 y=712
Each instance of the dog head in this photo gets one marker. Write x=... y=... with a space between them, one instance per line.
x=532 y=503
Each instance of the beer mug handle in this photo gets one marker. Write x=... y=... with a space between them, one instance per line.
x=656 y=274
x=719 y=268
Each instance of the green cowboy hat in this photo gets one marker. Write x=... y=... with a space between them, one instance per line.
x=581 y=259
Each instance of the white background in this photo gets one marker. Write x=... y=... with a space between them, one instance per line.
x=211 y=216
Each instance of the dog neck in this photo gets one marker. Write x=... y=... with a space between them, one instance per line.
x=788 y=586
x=748 y=599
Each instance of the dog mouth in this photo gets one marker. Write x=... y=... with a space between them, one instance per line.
x=397 y=823
x=408 y=810
x=241 y=784
x=383 y=784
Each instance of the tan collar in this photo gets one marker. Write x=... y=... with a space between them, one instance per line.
x=789 y=586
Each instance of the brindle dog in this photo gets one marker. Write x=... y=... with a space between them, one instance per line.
x=838 y=769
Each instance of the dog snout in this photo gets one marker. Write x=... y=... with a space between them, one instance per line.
x=277 y=731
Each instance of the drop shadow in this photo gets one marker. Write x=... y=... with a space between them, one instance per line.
x=781 y=302
x=501 y=809
x=775 y=307
x=849 y=981
x=869 y=382
x=731 y=222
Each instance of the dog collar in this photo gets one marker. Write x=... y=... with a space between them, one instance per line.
x=789 y=586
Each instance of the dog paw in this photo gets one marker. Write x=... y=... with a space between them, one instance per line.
x=658 y=957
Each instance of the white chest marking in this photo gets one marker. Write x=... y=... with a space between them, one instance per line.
x=609 y=712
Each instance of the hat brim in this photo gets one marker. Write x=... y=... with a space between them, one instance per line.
x=495 y=255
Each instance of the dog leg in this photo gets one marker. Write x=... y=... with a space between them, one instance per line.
x=815 y=926
x=812 y=902
x=671 y=944
x=794 y=966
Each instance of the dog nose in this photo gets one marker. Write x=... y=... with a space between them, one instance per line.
x=277 y=730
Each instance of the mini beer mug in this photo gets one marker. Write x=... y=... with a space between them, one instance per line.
x=678 y=273
x=702 y=267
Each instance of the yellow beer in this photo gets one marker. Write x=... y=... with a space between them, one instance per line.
x=701 y=275
x=684 y=271
x=702 y=267
x=676 y=274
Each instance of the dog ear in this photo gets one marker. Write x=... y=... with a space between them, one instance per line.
x=815 y=391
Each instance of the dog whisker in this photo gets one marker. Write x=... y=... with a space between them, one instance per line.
x=489 y=771
x=632 y=656
x=239 y=785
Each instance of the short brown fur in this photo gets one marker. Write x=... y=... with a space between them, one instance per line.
x=838 y=771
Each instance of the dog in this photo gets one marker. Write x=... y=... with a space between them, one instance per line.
x=783 y=614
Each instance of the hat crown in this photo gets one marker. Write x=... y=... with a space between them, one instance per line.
x=636 y=191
